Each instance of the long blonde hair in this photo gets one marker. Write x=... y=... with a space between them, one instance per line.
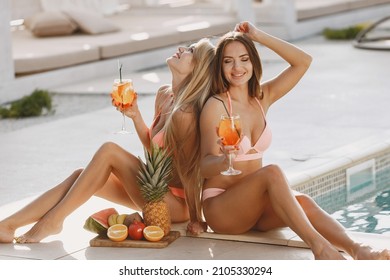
x=190 y=98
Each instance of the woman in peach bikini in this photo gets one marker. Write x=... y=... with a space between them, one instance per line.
x=112 y=172
x=260 y=198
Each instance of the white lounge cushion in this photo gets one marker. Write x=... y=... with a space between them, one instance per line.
x=52 y=23
x=90 y=22
x=33 y=54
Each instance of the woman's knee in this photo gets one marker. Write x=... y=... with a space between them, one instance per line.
x=273 y=174
x=107 y=149
x=273 y=168
x=77 y=172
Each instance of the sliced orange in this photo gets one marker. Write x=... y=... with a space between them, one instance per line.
x=123 y=93
x=116 y=99
x=117 y=232
x=153 y=233
x=128 y=96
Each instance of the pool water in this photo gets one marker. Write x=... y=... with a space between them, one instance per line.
x=370 y=215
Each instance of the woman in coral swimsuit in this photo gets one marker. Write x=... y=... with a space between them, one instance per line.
x=260 y=197
x=112 y=172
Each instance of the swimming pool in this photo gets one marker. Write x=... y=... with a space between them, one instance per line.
x=356 y=194
x=370 y=215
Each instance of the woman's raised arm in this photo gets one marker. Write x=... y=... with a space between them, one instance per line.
x=298 y=60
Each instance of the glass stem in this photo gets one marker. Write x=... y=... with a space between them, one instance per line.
x=230 y=161
x=124 y=120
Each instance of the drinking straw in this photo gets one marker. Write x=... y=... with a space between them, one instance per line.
x=120 y=71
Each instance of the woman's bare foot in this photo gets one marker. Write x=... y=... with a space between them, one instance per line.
x=6 y=233
x=39 y=231
x=364 y=252
x=327 y=252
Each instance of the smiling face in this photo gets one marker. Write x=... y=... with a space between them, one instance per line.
x=182 y=61
x=236 y=64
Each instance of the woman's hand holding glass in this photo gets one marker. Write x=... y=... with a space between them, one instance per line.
x=229 y=130
x=132 y=111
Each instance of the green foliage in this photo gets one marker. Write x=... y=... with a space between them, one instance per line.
x=348 y=33
x=28 y=106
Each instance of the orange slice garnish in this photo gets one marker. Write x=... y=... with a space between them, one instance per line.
x=123 y=94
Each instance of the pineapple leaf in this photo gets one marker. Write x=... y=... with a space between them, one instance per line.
x=155 y=174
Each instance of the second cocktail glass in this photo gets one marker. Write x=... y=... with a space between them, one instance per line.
x=122 y=95
x=229 y=130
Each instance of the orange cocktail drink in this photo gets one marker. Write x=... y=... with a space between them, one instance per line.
x=122 y=93
x=230 y=130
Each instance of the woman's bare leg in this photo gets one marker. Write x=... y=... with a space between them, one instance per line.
x=268 y=186
x=36 y=209
x=114 y=191
x=109 y=158
x=327 y=226
x=335 y=233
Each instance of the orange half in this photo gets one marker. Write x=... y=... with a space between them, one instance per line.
x=117 y=232
x=153 y=233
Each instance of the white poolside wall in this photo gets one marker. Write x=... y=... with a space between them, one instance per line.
x=6 y=63
x=278 y=17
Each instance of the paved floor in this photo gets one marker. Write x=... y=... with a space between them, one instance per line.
x=341 y=102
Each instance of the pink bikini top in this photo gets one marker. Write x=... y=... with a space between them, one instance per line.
x=246 y=150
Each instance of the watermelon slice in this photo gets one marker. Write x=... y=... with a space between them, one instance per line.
x=98 y=222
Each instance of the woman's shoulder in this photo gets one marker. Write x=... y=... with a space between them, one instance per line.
x=264 y=96
x=215 y=100
x=163 y=92
x=214 y=105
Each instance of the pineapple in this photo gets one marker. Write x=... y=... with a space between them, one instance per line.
x=153 y=180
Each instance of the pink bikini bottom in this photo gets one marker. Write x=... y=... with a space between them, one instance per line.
x=211 y=192
x=178 y=192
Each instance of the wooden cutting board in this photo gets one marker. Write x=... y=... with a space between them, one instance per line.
x=102 y=241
